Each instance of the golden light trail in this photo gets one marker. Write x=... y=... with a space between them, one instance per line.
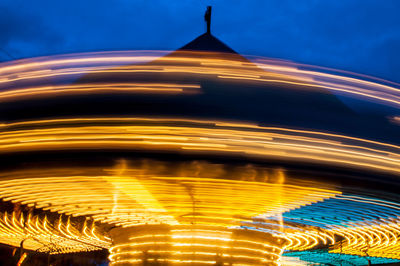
x=267 y=71
x=39 y=234
x=395 y=120
x=194 y=136
x=20 y=93
x=192 y=212
x=90 y=193
x=208 y=244
x=372 y=236
x=379 y=239
x=146 y=198
x=196 y=207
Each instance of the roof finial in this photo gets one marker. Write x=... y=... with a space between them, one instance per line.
x=207 y=18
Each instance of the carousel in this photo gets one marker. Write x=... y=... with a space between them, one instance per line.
x=199 y=156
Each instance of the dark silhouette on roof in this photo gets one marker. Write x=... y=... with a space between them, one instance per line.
x=207 y=42
x=207 y=18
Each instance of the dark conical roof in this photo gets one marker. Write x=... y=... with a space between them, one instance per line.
x=208 y=46
x=207 y=43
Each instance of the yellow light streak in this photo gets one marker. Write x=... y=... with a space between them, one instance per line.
x=242 y=247
x=200 y=136
x=37 y=235
x=148 y=197
x=157 y=199
x=266 y=71
x=131 y=196
x=379 y=239
x=17 y=94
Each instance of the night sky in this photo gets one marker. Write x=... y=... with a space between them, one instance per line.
x=357 y=35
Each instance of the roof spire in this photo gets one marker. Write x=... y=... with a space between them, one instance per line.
x=207 y=18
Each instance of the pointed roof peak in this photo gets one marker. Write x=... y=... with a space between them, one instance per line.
x=208 y=43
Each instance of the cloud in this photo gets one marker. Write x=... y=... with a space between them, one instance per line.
x=24 y=33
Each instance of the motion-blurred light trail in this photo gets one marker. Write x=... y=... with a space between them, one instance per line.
x=199 y=136
x=197 y=158
x=267 y=71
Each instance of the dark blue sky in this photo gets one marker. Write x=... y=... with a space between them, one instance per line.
x=357 y=35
